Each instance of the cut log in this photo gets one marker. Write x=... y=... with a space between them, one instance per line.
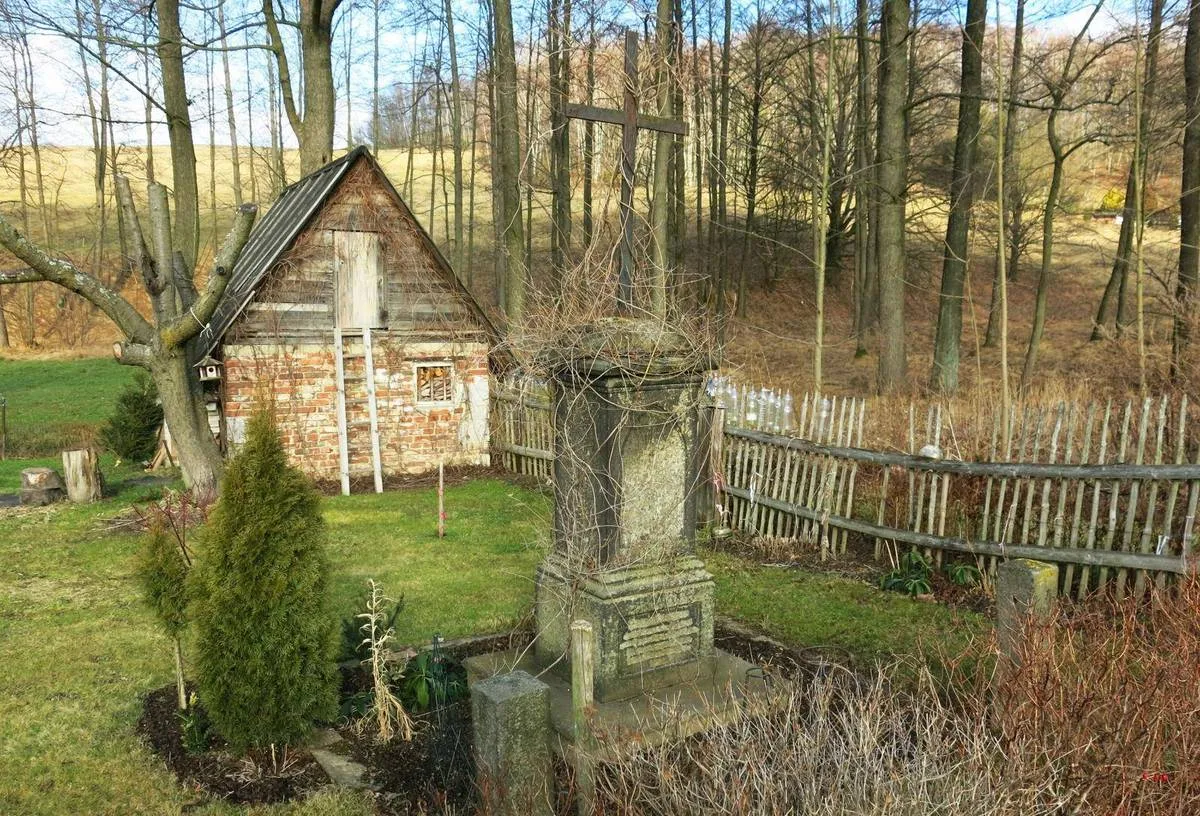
x=81 y=470
x=41 y=486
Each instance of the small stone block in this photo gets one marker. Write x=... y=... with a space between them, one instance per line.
x=511 y=717
x=1024 y=587
x=41 y=486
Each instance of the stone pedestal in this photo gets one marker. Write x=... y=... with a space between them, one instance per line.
x=511 y=717
x=628 y=470
x=1024 y=589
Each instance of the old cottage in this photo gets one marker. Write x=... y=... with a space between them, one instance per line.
x=342 y=312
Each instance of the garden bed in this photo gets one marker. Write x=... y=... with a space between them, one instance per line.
x=256 y=778
x=434 y=770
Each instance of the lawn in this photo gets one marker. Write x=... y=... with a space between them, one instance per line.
x=79 y=648
x=53 y=405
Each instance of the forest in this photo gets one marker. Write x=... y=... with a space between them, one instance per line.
x=879 y=196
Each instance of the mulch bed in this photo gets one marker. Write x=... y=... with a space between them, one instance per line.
x=433 y=771
x=247 y=780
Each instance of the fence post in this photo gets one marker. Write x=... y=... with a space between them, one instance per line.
x=582 y=678
x=709 y=432
x=1024 y=589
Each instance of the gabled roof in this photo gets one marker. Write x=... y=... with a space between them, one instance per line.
x=277 y=230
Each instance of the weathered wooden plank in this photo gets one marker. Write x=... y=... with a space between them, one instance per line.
x=1104 y=558
x=1010 y=470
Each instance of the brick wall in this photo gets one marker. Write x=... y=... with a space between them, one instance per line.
x=301 y=382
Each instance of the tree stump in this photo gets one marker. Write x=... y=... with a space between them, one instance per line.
x=81 y=469
x=41 y=486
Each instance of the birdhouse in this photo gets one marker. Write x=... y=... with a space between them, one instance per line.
x=210 y=369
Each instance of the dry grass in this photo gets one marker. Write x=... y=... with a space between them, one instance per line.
x=1104 y=698
x=830 y=744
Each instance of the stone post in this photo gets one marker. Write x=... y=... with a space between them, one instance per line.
x=1024 y=588
x=511 y=717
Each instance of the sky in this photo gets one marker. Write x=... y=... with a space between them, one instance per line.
x=60 y=88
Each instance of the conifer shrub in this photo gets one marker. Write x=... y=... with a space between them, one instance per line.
x=162 y=568
x=265 y=639
x=132 y=430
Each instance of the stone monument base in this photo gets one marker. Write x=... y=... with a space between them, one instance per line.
x=709 y=692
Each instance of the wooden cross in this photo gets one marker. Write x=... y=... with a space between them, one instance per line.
x=630 y=121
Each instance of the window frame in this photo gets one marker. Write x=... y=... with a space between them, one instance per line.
x=446 y=364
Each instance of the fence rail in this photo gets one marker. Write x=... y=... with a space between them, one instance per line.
x=1109 y=491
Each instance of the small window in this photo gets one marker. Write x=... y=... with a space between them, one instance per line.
x=434 y=382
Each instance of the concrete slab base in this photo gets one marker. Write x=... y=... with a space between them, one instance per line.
x=711 y=692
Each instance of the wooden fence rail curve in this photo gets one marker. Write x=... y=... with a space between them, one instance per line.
x=998 y=470
x=1114 y=514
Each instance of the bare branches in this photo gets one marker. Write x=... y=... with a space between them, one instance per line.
x=66 y=275
x=196 y=317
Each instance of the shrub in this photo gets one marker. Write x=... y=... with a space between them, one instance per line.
x=1113 y=200
x=132 y=430
x=265 y=638
x=1103 y=698
x=162 y=568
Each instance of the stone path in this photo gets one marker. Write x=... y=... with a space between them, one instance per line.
x=332 y=753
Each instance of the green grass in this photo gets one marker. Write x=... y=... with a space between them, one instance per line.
x=57 y=404
x=822 y=610
x=79 y=649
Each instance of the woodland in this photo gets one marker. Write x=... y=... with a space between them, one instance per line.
x=879 y=196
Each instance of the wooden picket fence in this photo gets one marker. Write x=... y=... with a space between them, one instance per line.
x=1108 y=491
x=522 y=430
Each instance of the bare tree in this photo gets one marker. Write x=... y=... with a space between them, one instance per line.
x=892 y=161
x=312 y=117
x=159 y=345
x=510 y=228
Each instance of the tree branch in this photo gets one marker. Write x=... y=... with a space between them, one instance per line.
x=66 y=275
x=189 y=324
x=285 y=75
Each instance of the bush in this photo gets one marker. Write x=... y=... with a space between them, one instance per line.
x=1113 y=200
x=132 y=431
x=830 y=744
x=1102 y=700
x=265 y=637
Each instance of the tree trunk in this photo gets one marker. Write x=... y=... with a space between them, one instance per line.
x=314 y=123
x=589 y=131
x=722 y=170
x=236 y=160
x=1189 y=199
x=1011 y=207
x=948 y=338
x=456 y=139
x=892 y=151
x=558 y=31
x=1114 y=290
x=184 y=413
x=81 y=473
x=508 y=148
x=179 y=129
x=663 y=148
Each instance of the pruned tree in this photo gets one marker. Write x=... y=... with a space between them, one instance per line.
x=161 y=342
x=311 y=115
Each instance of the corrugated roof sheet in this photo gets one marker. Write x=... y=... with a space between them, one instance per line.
x=271 y=236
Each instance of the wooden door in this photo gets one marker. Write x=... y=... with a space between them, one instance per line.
x=356 y=279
